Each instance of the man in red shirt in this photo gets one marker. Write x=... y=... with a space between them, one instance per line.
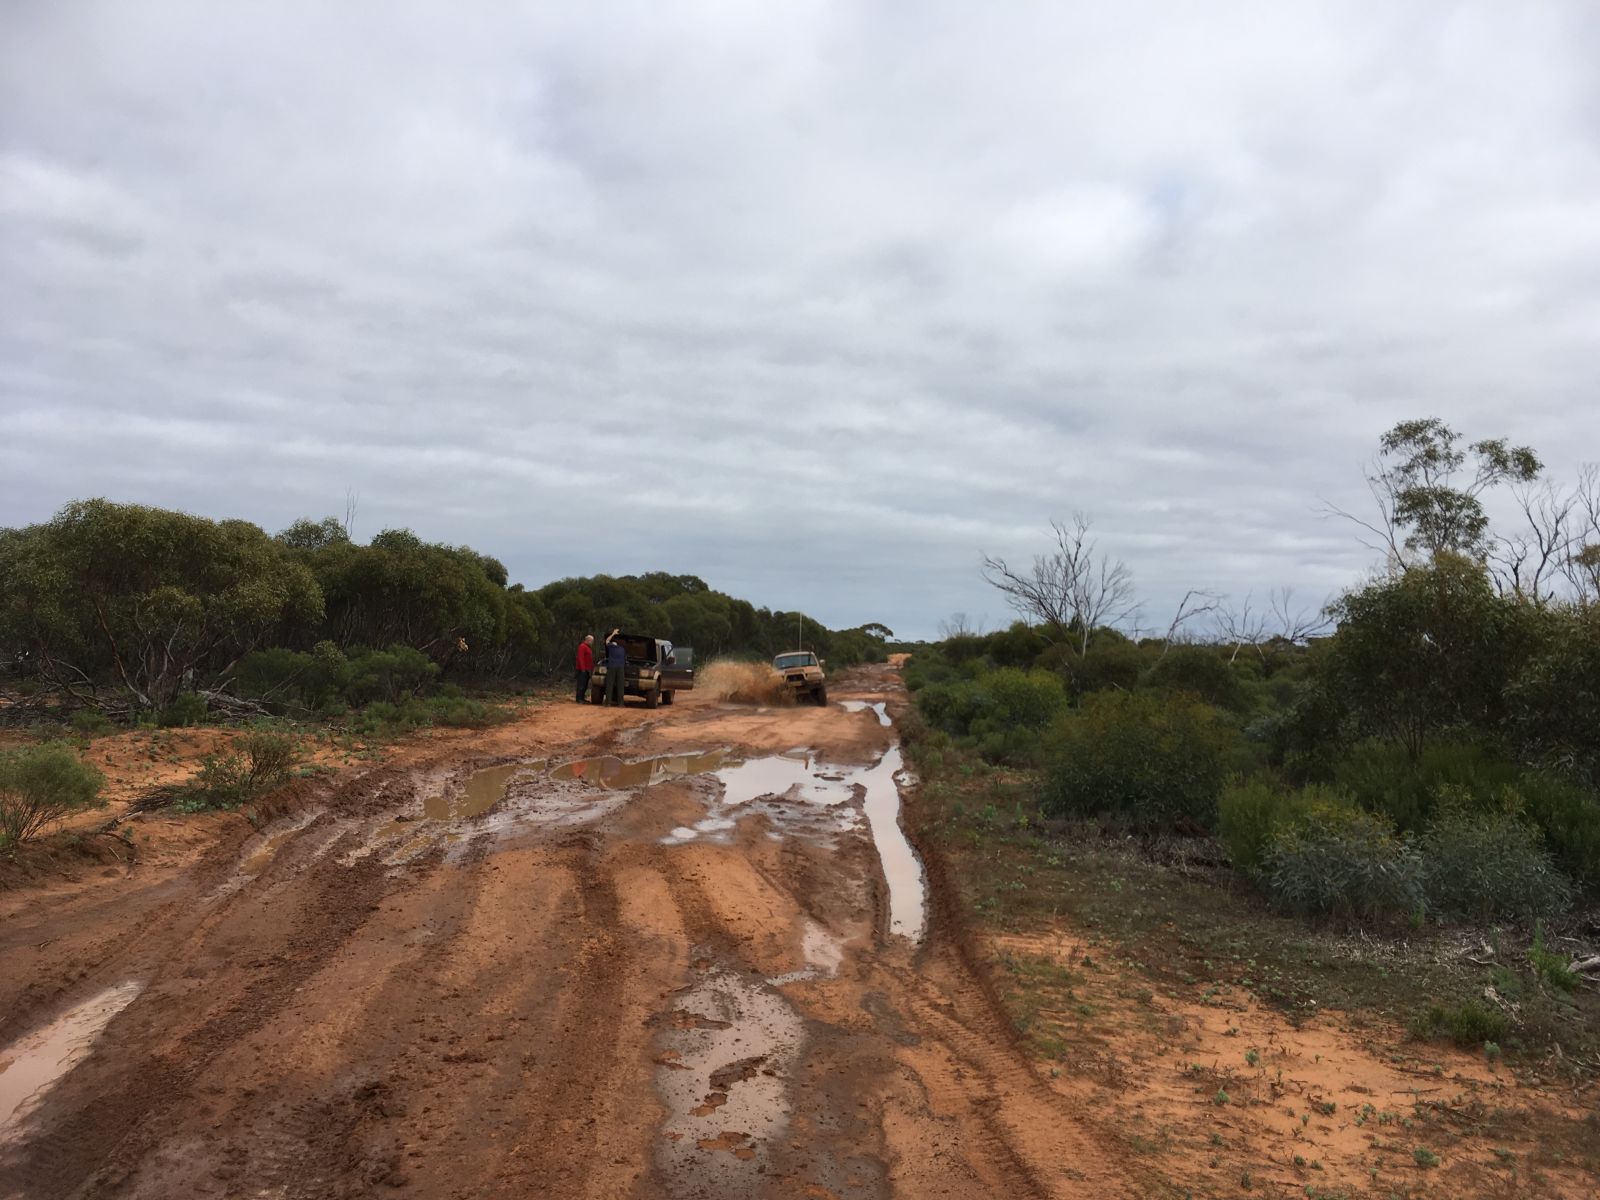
x=585 y=666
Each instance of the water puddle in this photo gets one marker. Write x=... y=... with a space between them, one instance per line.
x=729 y=1046
x=902 y=869
x=823 y=953
x=263 y=854
x=794 y=775
x=879 y=707
x=32 y=1065
x=481 y=792
x=616 y=774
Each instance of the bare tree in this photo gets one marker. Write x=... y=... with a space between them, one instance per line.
x=1297 y=624
x=1071 y=591
x=957 y=625
x=1195 y=604
x=1582 y=565
x=1242 y=626
x=352 y=501
x=1528 y=563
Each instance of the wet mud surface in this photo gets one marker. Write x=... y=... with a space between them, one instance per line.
x=683 y=953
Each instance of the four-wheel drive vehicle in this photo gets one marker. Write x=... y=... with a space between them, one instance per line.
x=656 y=670
x=802 y=673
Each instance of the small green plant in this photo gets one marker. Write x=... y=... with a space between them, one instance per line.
x=1467 y=1024
x=187 y=708
x=1220 y=1098
x=1425 y=1158
x=1549 y=965
x=258 y=762
x=41 y=785
x=90 y=721
x=1252 y=1057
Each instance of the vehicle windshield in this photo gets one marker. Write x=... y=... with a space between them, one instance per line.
x=786 y=661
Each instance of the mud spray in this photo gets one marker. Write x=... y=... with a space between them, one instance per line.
x=743 y=683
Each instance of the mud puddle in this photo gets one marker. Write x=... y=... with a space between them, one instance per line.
x=263 y=854
x=729 y=1047
x=32 y=1065
x=902 y=869
x=823 y=952
x=482 y=791
x=877 y=707
x=616 y=774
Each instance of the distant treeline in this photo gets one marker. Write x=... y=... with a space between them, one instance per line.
x=131 y=609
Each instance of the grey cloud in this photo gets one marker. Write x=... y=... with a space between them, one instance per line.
x=860 y=291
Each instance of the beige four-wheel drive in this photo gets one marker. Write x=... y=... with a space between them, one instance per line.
x=802 y=674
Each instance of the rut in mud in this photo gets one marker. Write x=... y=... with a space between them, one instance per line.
x=679 y=953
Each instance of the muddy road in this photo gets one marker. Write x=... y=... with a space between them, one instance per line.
x=680 y=953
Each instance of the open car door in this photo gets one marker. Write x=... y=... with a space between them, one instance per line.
x=677 y=673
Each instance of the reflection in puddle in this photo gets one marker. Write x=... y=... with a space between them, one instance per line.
x=268 y=850
x=879 y=707
x=729 y=1046
x=33 y=1064
x=615 y=774
x=902 y=870
x=793 y=776
x=482 y=791
x=823 y=953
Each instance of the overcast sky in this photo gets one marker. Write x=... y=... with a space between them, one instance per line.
x=820 y=301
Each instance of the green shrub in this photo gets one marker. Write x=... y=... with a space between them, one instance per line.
x=187 y=708
x=1156 y=762
x=1023 y=699
x=1200 y=671
x=257 y=762
x=1485 y=865
x=1569 y=815
x=1343 y=862
x=953 y=706
x=1549 y=965
x=289 y=679
x=1110 y=665
x=1251 y=811
x=1466 y=1024
x=390 y=675
x=90 y=721
x=462 y=713
x=1383 y=779
x=40 y=785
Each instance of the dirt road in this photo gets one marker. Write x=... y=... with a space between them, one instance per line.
x=681 y=952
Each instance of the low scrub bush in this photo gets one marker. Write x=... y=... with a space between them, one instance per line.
x=1466 y=1024
x=187 y=708
x=1252 y=811
x=257 y=762
x=41 y=785
x=1155 y=762
x=1001 y=713
x=1383 y=779
x=1569 y=816
x=1549 y=965
x=1200 y=671
x=1346 y=863
x=1482 y=866
x=90 y=721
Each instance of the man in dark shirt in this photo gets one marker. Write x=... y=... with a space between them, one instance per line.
x=585 y=665
x=616 y=667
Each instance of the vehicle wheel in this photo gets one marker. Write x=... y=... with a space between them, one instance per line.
x=654 y=698
x=667 y=697
x=597 y=695
x=820 y=695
